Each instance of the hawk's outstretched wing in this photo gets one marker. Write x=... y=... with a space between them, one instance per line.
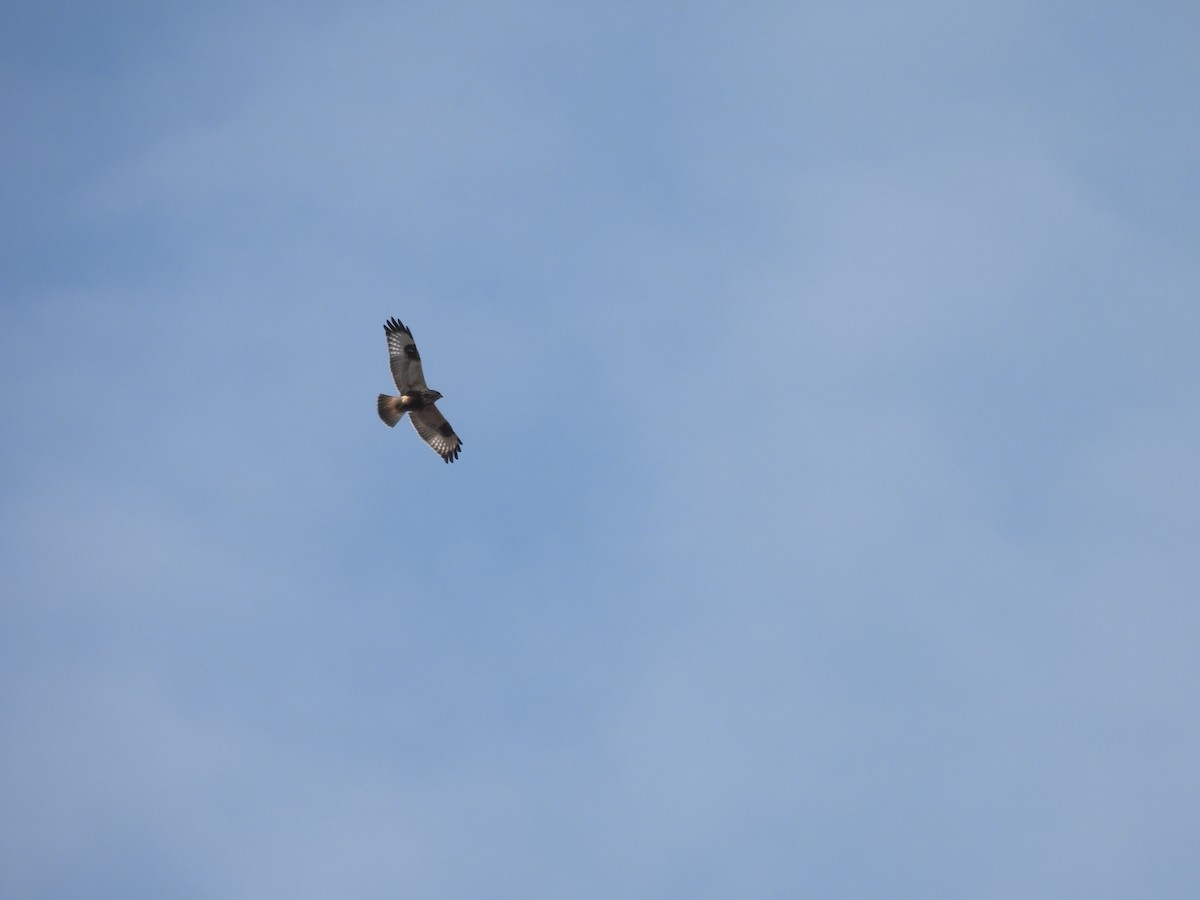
x=433 y=428
x=404 y=358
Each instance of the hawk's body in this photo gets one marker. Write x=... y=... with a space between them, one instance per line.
x=415 y=398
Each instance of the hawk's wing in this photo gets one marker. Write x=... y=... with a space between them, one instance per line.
x=405 y=360
x=433 y=428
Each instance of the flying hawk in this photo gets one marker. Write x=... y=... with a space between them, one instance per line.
x=415 y=398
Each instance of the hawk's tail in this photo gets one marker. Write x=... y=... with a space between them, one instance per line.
x=390 y=410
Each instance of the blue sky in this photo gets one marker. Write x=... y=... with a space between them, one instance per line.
x=827 y=519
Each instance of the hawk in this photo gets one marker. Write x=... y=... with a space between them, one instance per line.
x=415 y=398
